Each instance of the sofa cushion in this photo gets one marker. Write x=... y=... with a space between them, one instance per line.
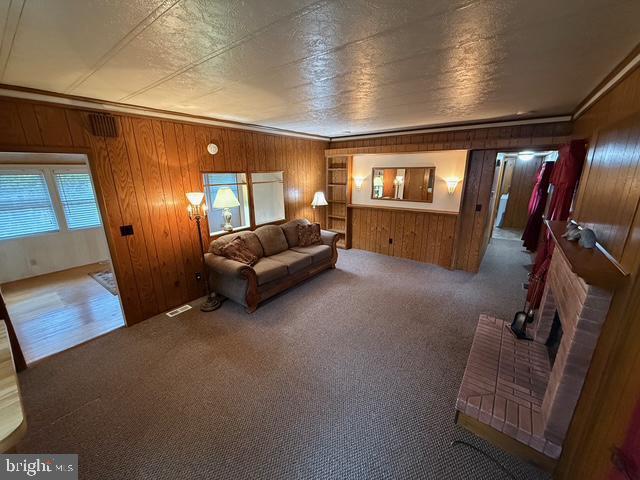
x=237 y=250
x=290 y=230
x=250 y=239
x=308 y=235
x=268 y=270
x=272 y=239
x=319 y=253
x=294 y=261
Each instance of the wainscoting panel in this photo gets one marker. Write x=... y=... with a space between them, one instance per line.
x=422 y=236
x=141 y=177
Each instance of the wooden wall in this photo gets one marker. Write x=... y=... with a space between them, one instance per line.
x=608 y=200
x=539 y=135
x=421 y=236
x=141 y=178
x=522 y=182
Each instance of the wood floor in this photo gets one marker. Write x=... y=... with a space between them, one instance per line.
x=59 y=310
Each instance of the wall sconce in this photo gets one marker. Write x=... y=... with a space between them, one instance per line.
x=358 y=181
x=452 y=183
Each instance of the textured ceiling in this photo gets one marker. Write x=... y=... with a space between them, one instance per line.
x=328 y=67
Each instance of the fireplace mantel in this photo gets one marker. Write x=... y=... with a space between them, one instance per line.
x=595 y=266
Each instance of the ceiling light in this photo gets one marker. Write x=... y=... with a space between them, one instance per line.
x=526 y=156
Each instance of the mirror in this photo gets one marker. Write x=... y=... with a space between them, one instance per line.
x=411 y=184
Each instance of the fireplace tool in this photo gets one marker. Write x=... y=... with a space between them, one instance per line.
x=521 y=318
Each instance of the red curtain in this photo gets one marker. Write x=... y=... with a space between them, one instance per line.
x=564 y=179
x=537 y=204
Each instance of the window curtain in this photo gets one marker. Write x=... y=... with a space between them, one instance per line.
x=537 y=203
x=564 y=179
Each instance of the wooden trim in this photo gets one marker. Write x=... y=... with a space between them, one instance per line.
x=455 y=127
x=27 y=94
x=505 y=442
x=412 y=210
x=608 y=83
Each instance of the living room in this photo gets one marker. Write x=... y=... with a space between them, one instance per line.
x=299 y=205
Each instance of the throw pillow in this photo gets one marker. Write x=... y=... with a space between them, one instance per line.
x=238 y=250
x=308 y=234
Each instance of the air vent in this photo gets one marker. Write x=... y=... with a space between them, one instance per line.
x=179 y=310
x=103 y=125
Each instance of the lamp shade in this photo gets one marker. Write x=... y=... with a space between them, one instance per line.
x=195 y=198
x=319 y=200
x=377 y=182
x=225 y=198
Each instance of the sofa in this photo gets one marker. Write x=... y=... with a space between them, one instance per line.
x=281 y=264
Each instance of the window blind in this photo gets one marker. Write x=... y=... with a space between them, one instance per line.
x=78 y=200
x=25 y=205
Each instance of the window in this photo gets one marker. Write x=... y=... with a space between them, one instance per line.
x=268 y=197
x=77 y=199
x=25 y=205
x=219 y=200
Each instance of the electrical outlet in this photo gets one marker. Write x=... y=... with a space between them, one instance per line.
x=198 y=276
x=390 y=241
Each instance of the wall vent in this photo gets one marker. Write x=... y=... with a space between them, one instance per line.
x=103 y=125
x=179 y=310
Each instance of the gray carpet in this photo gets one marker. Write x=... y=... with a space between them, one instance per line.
x=352 y=375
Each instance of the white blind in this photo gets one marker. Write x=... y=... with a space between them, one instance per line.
x=268 y=196
x=25 y=205
x=78 y=200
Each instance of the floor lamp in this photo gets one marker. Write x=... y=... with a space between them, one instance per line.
x=197 y=210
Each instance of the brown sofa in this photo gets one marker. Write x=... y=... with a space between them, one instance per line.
x=282 y=263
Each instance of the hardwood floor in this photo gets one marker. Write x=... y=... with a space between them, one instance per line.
x=60 y=310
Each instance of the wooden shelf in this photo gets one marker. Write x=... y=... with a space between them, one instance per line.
x=337 y=217
x=337 y=169
x=340 y=202
x=336 y=184
x=595 y=266
x=339 y=193
x=336 y=230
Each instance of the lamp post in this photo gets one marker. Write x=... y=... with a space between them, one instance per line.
x=197 y=209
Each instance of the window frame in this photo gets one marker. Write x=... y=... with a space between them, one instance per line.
x=252 y=219
x=53 y=170
x=48 y=172
x=51 y=190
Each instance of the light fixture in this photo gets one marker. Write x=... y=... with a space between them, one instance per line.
x=378 y=182
x=226 y=199
x=358 y=181
x=197 y=210
x=398 y=180
x=212 y=148
x=452 y=183
x=526 y=155
x=319 y=200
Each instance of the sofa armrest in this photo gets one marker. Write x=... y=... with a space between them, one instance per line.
x=328 y=238
x=225 y=266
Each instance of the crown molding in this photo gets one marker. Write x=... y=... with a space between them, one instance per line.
x=456 y=127
x=630 y=62
x=114 y=107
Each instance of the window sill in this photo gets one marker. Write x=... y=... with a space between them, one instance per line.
x=221 y=233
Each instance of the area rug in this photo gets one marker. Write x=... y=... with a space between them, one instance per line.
x=106 y=279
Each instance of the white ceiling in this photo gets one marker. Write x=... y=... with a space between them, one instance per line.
x=331 y=67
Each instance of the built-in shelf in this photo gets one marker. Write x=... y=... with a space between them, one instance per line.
x=595 y=266
x=338 y=193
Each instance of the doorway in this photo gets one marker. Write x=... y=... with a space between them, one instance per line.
x=513 y=183
x=57 y=278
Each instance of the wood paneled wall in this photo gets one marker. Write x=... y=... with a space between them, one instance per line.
x=421 y=236
x=141 y=178
x=522 y=182
x=538 y=135
x=608 y=201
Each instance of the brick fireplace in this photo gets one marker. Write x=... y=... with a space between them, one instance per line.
x=514 y=392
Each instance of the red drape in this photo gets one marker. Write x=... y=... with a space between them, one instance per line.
x=537 y=203
x=564 y=180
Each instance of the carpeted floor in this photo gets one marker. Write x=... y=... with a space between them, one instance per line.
x=352 y=375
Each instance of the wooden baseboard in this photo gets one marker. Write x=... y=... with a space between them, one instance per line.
x=506 y=443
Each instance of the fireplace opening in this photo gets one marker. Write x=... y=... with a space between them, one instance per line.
x=555 y=336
